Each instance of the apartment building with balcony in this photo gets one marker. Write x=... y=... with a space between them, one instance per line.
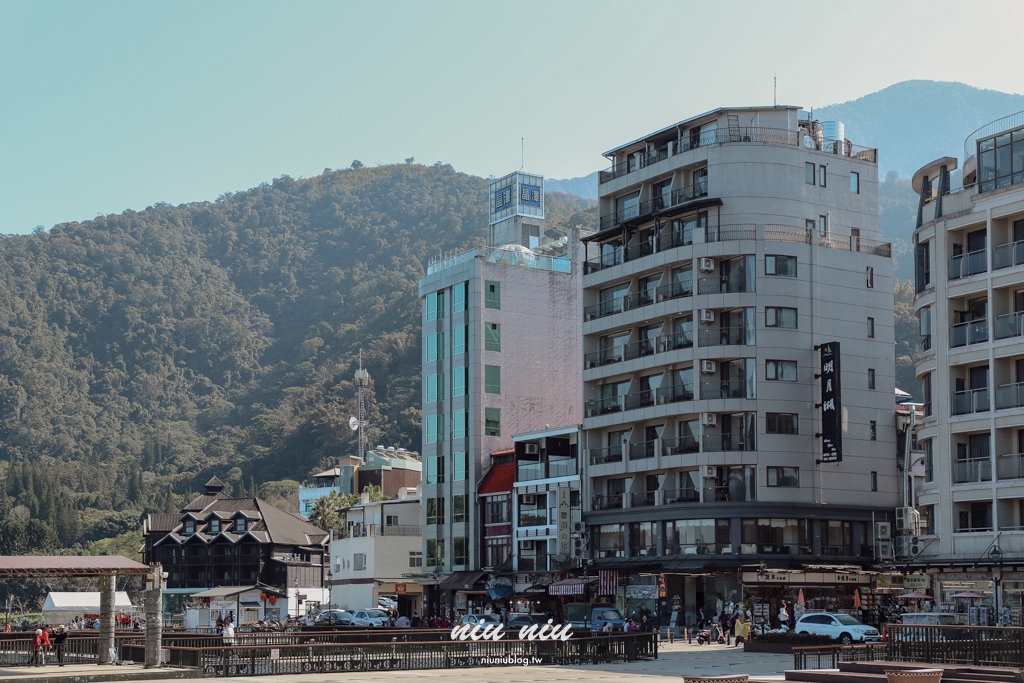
x=731 y=246
x=969 y=281
x=501 y=344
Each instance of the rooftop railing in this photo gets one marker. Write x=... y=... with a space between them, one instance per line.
x=989 y=129
x=503 y=255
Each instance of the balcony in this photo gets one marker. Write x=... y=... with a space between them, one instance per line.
x=965 y=265
x=610 y=502
x=726 y=442
x=964 y=334
x=637 y=349
x=604 y=406
x=680 y=446
x=642 y=450
x=1009 y=325
x=972 y=470
x=727 y=494
x=1007 y=255
x=533 y=518
x=722 y=336
x=721 y=284
x=735 y=388
x=675 y=496
x=674 y=393
x=1010 y=395
x=970 y=401
x=642 y=499
x=641 y=399
x=604 y=309
x=605 y=260
x=502 y=255
x=562 y=467
x=786 y=549
x=675 y=290
x=727 y=233
x=675 y=238
x=1010 y=466
x=530 y=471
x=600 y=456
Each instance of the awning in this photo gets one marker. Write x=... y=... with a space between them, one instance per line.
x=250 y=604
x=461 y=581
x=499 y=592
x=571 y=586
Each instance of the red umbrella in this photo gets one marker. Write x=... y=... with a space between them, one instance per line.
x=800 y=598
x=914 y=595
x=856 y=598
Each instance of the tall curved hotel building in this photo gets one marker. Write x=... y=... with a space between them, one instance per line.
x=733 y=249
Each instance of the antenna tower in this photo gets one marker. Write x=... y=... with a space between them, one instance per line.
x=362 y=380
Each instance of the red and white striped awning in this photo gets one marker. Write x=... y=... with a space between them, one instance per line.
x=571 y=586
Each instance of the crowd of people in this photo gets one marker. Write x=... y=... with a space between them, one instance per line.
x=48 y=639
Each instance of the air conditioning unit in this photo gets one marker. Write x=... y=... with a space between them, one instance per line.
x=529 y=499
x=706 y=265
x=915 y=546
x=579 y=528
x=908 y=519
x=708 y=367
x=748 y=549
x=579 y=546
x=883 y=531
x=885 y=553
x=708 y=472
x=707 y=315
x=526 y=545
x=709 y=419
x=532 y=448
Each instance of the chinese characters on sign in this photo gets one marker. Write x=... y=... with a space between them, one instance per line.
x=831 y=405
x=564 y=521
x=502 y=199
x=529 y=195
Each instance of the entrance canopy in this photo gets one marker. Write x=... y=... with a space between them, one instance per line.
x=38 y=566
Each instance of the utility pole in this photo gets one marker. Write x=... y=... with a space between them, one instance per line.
x=362 y=380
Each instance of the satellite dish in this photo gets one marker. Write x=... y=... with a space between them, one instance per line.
x=353 y=423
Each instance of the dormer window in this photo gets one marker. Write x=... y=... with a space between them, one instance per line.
x=190 y=526
x=240 y=524
x=214 y=526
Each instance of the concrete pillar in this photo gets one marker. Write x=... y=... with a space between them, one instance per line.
x=106 y=639
x=154 y=616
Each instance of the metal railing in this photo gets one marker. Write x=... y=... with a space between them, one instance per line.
x=964 y=645
x=681 y=445
x=533 y=518
x=831 y=656
x=965 y=334
x=673 y=393
x=1010 y=466
x=1010 y=395
x=675 y=496
x=1007 y=255
x=1009 y=325
x=721 y=284
x=994 y=128
x=727 y=494
x=675 y=238
x=722 y=336
x=603 y=309
x=972 y=470
x=642 y=450
x=604 y=357
x=725 y=442
x=641 y=499
x=675 y=290
x=604 y=406
x=970 y=401
x=718 y=389
x=612 y=502
x=787 y=233
x=640 y=399
x=965 y=265
x=510 y=257
x=600 y=456
x=728 y=233
x=605 y=260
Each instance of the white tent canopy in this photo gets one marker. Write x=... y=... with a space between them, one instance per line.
x=84 y=602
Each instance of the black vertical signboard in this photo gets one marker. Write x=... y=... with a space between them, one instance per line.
x=831 y=405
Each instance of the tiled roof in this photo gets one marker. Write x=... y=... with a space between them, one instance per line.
x=499 y=479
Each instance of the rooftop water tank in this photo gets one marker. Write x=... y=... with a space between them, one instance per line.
x=833 y=130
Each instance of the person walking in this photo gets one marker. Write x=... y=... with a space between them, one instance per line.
x=742 y=628
x=38 y=658
x=415 y=620
x=45 y=642
x=229 y=633
x=59 y=636
x=701 y=620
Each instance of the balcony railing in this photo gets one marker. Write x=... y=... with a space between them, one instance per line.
x=1009 y=325
x=675 y=496
x=964 y=334
x=642 y=450
x=533 y=518
x=600 y=456
x=965 y=265
x=1010 y=395
x=972 y=529
x=1010 y=466
x=675 y=238
x=1008 y=255
x=734 y=388
x=727 y=233
x=603 y=309
x=674 y=393
x=556 y=264
x=604 y=406
x=970 y=401
x=785 y=549
x=605 y=260
x=972 y=470
x=681 y=445
x=530 y=471
x=612 y=502
x=726 y=442
x=640 y=399
x=675 y=290
x=642 y=499
x=603 y=357
x=722 y=336
x=721 y=284
x=726 y=494
x=638 y=349
x=644 y=247
x=562 y=467
x=638 y=550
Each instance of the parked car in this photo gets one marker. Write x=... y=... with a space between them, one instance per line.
x=370 y=618
x=841 y=627
x=518 y=622
x=333 y=617
x=481 y=619
x=601 y=615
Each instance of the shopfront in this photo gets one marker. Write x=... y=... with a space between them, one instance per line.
x=800 y=592
x=686 y=593
x=970 y=596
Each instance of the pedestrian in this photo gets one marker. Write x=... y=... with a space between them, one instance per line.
x=701 y=620
x=46 y=639
x=402 y=622
x=220 y=624
x=607 y=628
x=742 y=628
x=645 y=625
x=58 y=643
x=38 y=658
x=228 y=634
x=415 y=620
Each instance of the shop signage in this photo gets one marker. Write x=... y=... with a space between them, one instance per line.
x=831 y=404
x=529 y=195
x=400 y=588
x=502 y=199
x=564 y=521
x=883 y=581
x=916 y=581
x=275 y=653
x=807 y=577
x=641 y=592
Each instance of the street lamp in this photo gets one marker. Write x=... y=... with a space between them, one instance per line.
x=296 y=583
x=329 y=577
x=996 y=554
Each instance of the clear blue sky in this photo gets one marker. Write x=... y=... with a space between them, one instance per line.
x=112 y=105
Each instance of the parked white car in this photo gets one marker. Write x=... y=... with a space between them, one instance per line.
x=480 y=619
x=370 y=618
x=841 y=627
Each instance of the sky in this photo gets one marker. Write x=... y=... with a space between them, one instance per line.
x=107 y=106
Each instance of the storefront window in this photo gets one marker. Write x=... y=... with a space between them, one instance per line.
x=836 y=538
x=643 y=538
x=778 y=536
x=611 y=541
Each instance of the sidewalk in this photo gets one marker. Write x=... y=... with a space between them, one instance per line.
x=89 y=673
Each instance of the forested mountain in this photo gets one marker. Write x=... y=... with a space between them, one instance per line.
x=142 y=352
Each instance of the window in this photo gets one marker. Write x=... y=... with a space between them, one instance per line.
x=435 y=552
x=780 y=370
x=777 y=316
x=214 y=526
x=435 y=469
x=391 y=520
x=240 y=525
x=435 y=388
x=435 y=511
x=926 y=392
x=874 y=481
x=459 y=508
x=782 y=423
x=459 y=420
x=497 y=510
x=492 y=421
x=922 y=267
x=458 y=340
x=871 y=277
x=435 y=346
x=854 y=182
x=1001 y=161
x=823 y=224
x=822 y=175
x=775 y=264
x=810 y=224
x=784 y=477
x=415 y=558
x=459 y=297
x=460 y=378
x=359 y=562
x=492 y=379
x=460 y=550
x=809 y=173
x=929 y=470
x=492 y=337
x=435 y=305
x=873 y=430
x=871 y=378
x=492 y=294
x=190 y=526
x=871 y=328
x=497 y=551
x=435 y=428
x=459 y=466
